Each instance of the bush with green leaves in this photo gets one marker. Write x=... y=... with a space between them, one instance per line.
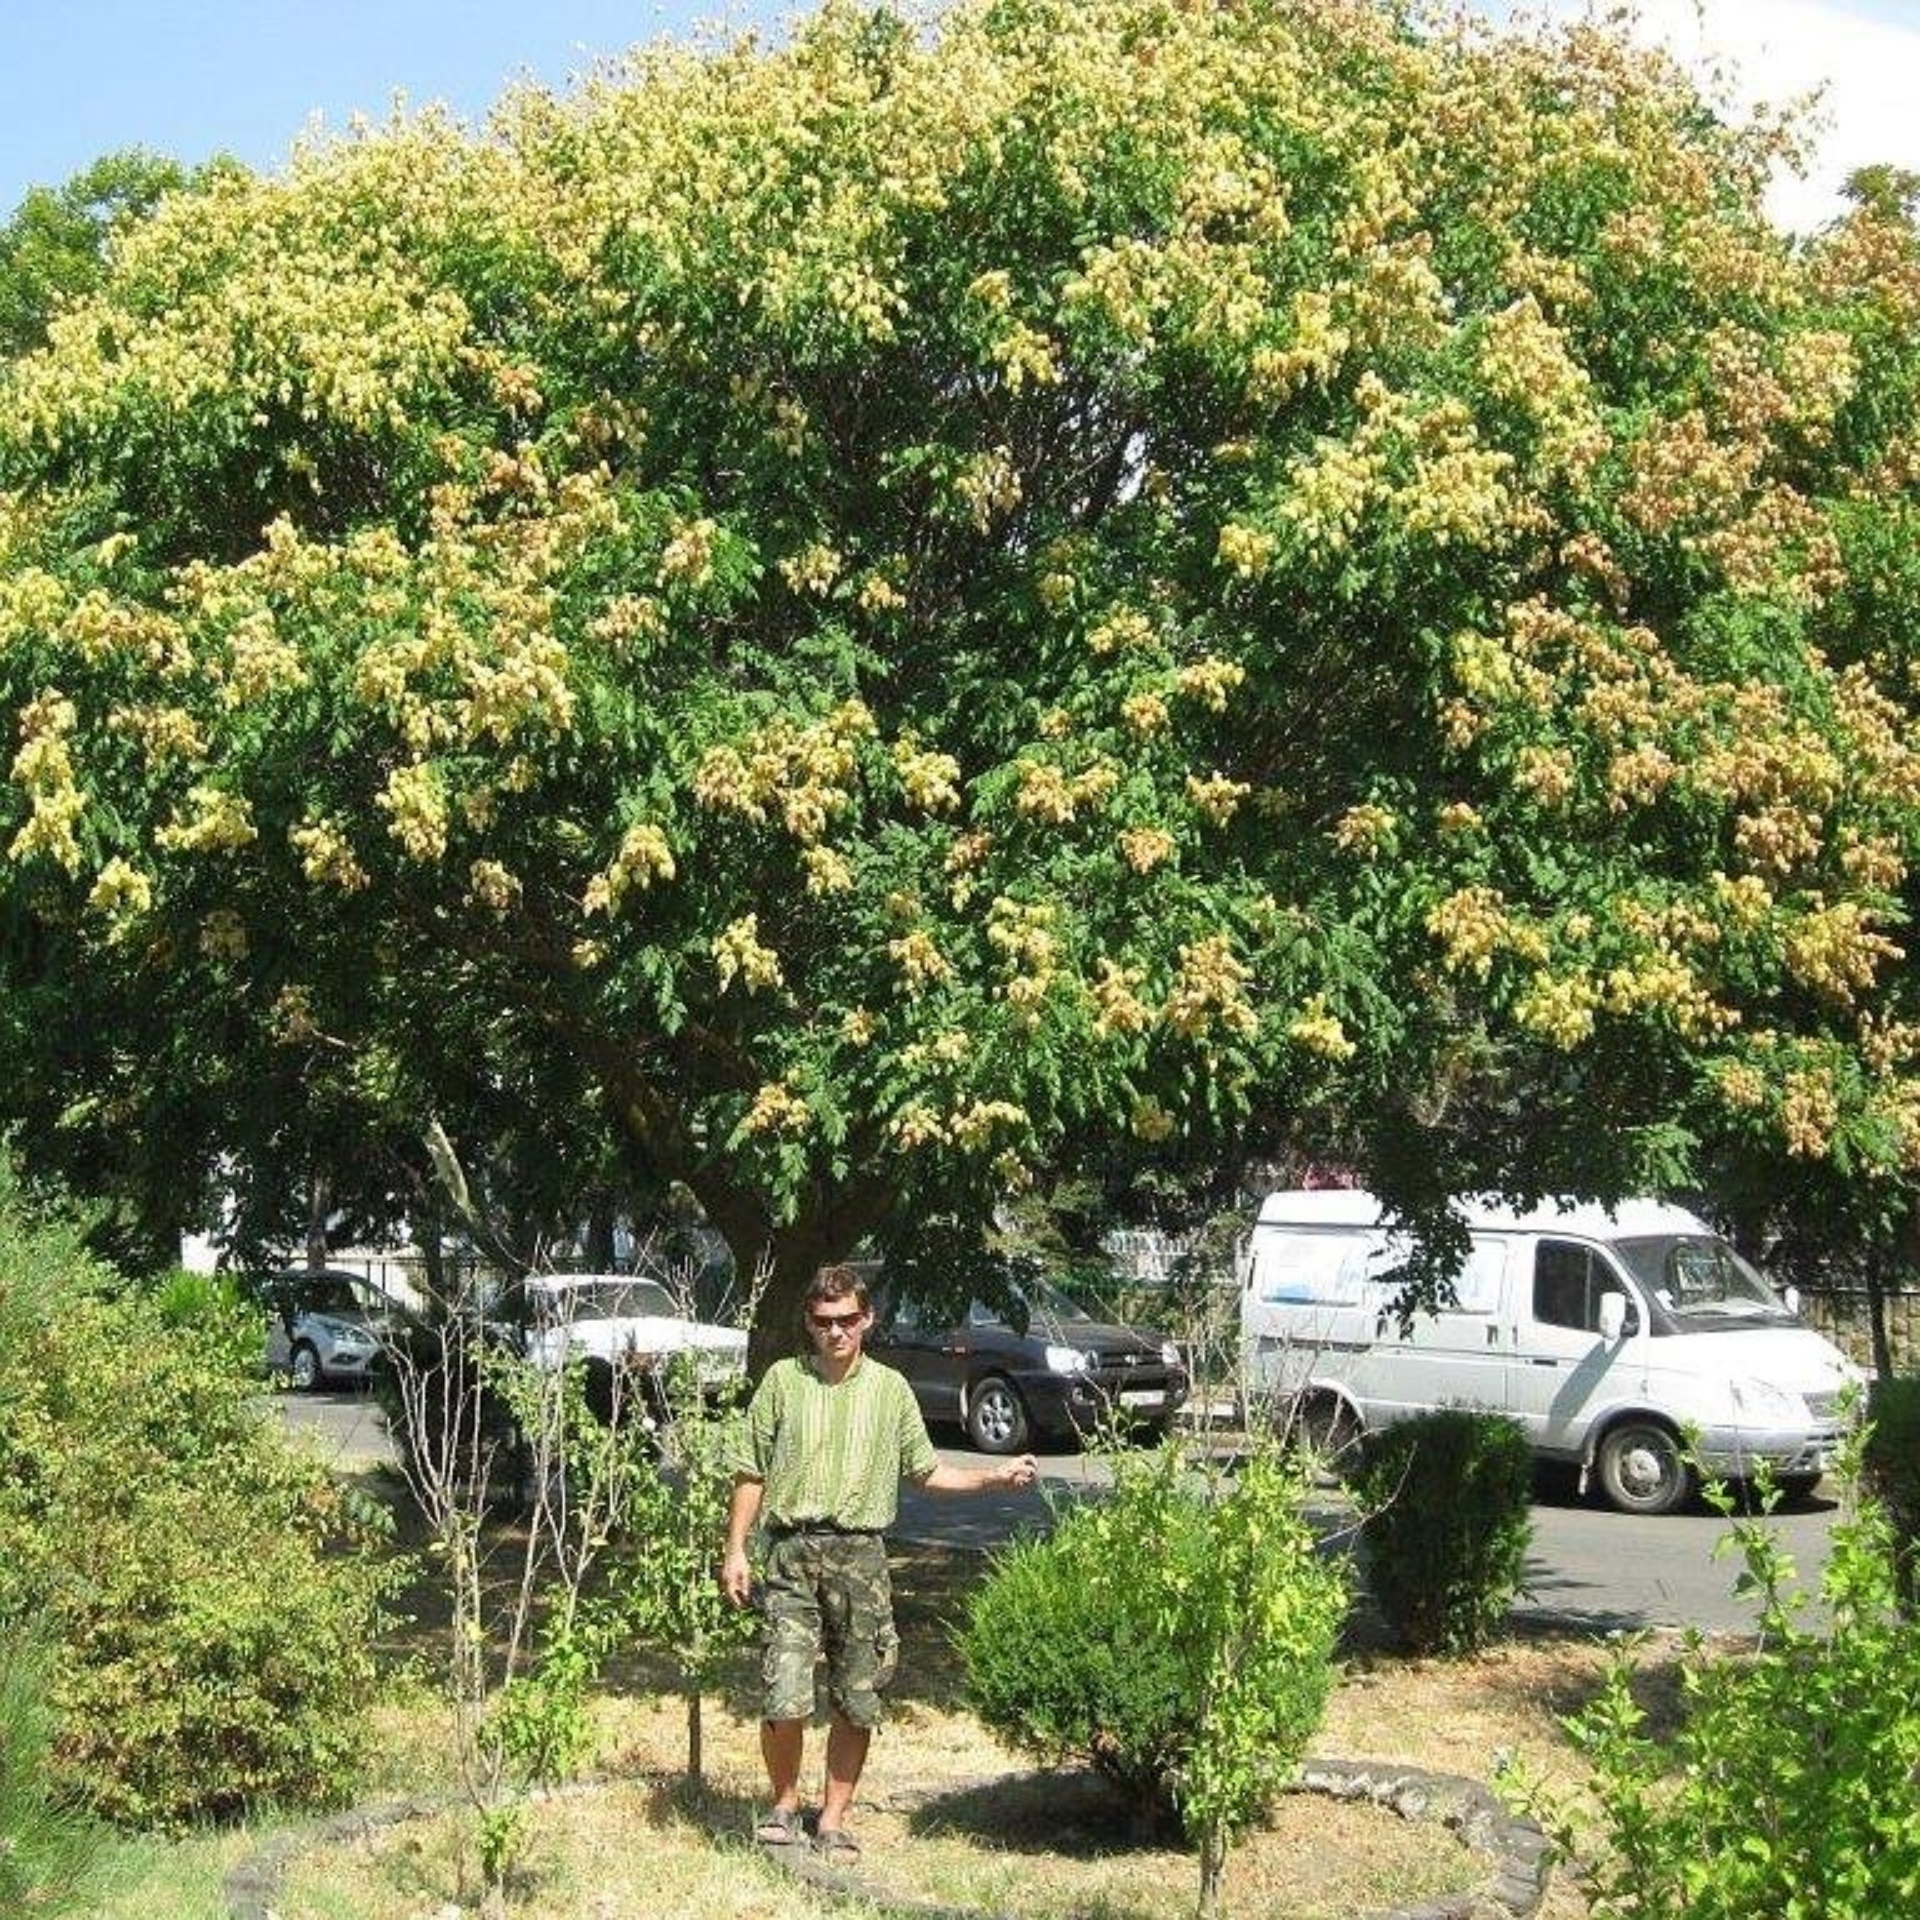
x=207 y=1595
x=1891 y=1465
x=1446 y=1497
x=1788 y=1786
x=1179 y=1637
x=50 y=1851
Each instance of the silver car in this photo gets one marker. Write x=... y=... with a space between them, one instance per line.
x=326 y=1328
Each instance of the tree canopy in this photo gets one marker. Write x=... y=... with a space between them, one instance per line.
x=881 y=613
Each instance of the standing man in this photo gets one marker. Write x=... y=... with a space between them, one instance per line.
x=830 y=1435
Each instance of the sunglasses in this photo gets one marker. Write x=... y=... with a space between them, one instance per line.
x=837 y=1322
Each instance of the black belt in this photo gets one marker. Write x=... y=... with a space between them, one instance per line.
x=785 y=1528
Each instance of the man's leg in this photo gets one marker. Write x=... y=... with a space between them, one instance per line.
x=846 y=1755
x=782 y=1743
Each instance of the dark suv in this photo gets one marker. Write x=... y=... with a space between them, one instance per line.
x=1058 y=1375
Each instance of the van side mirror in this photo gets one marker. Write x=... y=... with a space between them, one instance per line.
x=1790 y=1299
x=1613 y=1316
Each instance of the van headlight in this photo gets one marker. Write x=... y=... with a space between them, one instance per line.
x=1762 y=1400
x=1170 y=1353
x=1067 y=1360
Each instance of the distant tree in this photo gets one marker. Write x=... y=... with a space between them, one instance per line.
x=54 y=248
x=924 y=606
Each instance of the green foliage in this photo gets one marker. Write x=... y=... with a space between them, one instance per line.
x=208 y=1598
x=1177 y=1637
x=50 y=1852
x=1787 y=1788
x=1891 y=1468
x=663 y=1583
x=54 y=247
x=1447 y=1498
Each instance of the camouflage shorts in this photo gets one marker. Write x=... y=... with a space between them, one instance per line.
x=827 y=1593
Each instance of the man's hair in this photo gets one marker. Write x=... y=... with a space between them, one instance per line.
x=835 y=1283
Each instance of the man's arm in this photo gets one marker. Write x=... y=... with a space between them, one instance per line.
x=1022 y=1472
x=736 y=1576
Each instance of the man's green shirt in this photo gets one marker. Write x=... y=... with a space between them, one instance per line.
x=835 y=1453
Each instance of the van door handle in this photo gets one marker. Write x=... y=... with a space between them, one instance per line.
x=1493 y=1336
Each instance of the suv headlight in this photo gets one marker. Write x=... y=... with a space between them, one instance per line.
x=1170 y=1353
x=1067 y=1360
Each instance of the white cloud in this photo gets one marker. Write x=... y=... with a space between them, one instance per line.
x=1867 y=60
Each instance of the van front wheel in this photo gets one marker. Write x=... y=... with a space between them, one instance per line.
x=1641 y=1470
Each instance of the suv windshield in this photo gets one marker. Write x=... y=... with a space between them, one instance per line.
x=1044 y=1302
x=1698 y=1277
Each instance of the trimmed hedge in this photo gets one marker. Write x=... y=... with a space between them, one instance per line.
x=1891 y=1466
x=1447 y=1498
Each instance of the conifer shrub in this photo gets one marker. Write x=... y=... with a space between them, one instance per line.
x=1177 y=1637
x=1447 y=1498
x=50 y=1851
x=208 y=1598
x=1891 y=1470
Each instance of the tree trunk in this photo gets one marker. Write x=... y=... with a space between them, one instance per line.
x=1213 y=1860
x=317 y=1211
x=696 y=1757
x=1875 y=1273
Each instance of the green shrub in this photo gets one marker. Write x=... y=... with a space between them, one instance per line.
x=1891 y=1468
x=50 y=1852
x=205 y=1593
x=1788 y=1787
x=1447 y=1502
x=1179 y=1638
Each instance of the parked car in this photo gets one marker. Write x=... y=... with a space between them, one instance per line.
x=1007 y=1375
x=326 y=1327
x=623 y=1323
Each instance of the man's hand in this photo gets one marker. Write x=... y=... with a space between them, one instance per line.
x=1019 y=1473
x=736 y=1576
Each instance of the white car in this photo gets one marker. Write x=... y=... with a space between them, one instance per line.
x=325 y=1327
x=623 y=1323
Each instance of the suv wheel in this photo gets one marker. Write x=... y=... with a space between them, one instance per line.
x=303 y=1367
x=996 y=1416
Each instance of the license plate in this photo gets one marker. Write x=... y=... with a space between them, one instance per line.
x=1143 y=1397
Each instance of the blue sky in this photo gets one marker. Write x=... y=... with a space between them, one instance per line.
x=193 y=77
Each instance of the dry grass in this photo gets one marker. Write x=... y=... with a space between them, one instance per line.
x=949 y=1816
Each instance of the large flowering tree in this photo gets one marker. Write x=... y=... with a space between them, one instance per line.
x=923 y=601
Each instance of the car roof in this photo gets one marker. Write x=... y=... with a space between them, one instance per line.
x=1351 y=1207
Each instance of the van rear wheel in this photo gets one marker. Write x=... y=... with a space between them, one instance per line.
x=1324 y=1428
x=1641 y=1468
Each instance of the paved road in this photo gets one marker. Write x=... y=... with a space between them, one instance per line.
x=1605 y=1571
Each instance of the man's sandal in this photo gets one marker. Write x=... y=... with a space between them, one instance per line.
x=837 y=1845
x=779 y=1828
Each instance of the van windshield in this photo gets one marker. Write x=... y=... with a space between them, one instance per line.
x=1700 y=1280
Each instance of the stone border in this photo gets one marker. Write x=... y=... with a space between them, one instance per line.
x=1515 y=1849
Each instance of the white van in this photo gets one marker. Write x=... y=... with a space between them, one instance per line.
x=1608 y=1334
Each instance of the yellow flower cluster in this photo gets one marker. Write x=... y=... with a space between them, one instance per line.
x=215 y=821
x=1144 y=848
x=416 y=808
x=223 y=935
x=44 y=768
x=1559 y=1008
x=1320 y=1031
x=687 y=557
x=931 y=781
x=805 y=772
x=988 y=486
x=812 y=570
x=1118 y=1008
x=1834 y=951
x=777 y=1109
x=1216 y=797
x=1151 y=1121
x=1209 y=992
x=1367 y=829
x=919 y=959
x=1146 y=713
x=1210 y=681
x=1126 y=630
x=1048 y=792
x=1809 y=1112
x=1472 y=926
x=740 y=956
x=827 y=871
x=327 y=857
x=493 y=886
x=1247 y=550
x=643 y=858
x=120 y=891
